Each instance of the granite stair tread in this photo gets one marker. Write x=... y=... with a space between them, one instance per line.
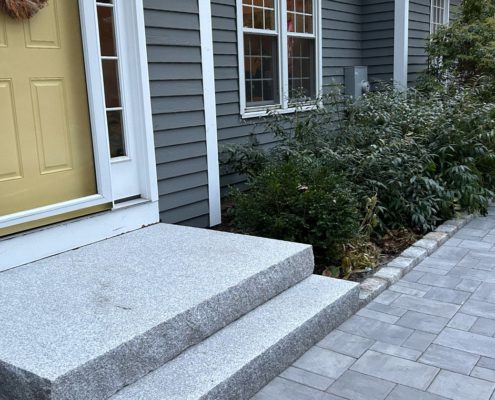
x=237 y=361
x=85 y=323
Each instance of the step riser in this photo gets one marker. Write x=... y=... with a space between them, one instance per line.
x=254 y=376
x=104 y=376
x=18 y=384
x=240 y=359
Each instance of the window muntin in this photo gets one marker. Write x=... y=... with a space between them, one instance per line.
x=300 y=16
x=439 y=14
x=279 y=52
x=111 y=79
x=259 y=14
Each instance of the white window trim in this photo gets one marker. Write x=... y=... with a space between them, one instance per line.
x=283 y=107
x=446 y=14
x=123 y=217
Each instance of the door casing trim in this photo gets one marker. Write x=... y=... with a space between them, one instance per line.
x=125 y=217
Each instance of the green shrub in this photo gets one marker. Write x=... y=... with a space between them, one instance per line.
x=302 y=202
x=302 y=135
x=425 y=156
x=465 y=50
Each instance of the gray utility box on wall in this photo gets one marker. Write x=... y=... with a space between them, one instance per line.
x=356 y=81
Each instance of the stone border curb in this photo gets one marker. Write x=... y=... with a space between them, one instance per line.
x=373 y=286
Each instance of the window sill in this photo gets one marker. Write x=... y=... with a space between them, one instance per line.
x=247 y=114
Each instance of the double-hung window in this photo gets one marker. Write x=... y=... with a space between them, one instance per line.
x=439 y=14
x=278 y=53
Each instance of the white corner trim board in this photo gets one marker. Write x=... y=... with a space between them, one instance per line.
x=401 y=43
x=208 y=69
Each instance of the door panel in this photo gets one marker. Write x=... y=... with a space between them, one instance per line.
x=43 y=32
x=3 y=31
x=10 y=158
x=46 y=153
x=51 y=124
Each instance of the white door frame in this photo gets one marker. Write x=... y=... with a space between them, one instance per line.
x=136 y=80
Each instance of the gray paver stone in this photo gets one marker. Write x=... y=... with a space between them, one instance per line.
x=447 y=295
x=398 y=351
x=355 y=386
x=324 y=362
x=307 y=378
x=460 y=387
x=426 y=306
x=484 y=326
x=467 y=341
x=419 y=340
x=450 y=359
x=395 y=369
x=461 y=321
x=423 y=322
x=376 y=330
x=407 y=393
x=346 y=343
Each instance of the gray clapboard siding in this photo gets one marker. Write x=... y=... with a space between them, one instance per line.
x=341 y=38
x=174 y=56
x=378 y=39
x=231 y=128
x=419 y=30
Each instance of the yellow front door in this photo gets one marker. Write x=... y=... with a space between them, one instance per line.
x=46 y=154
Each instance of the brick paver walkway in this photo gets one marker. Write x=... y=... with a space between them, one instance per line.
x=429 y=337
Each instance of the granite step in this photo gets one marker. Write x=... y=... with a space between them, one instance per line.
x=240 y=359
x=86 y=323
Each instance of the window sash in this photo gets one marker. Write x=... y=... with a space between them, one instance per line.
x=439 y=14
x=281 y=31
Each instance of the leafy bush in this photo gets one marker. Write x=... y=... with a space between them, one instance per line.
x=465 y=50
x=302 y=202
x=425 y=156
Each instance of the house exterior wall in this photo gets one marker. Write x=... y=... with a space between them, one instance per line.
x=354 y=32
x=174 y=57
x=378 y=39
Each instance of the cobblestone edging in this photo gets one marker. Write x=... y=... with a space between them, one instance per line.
x=371 y=287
